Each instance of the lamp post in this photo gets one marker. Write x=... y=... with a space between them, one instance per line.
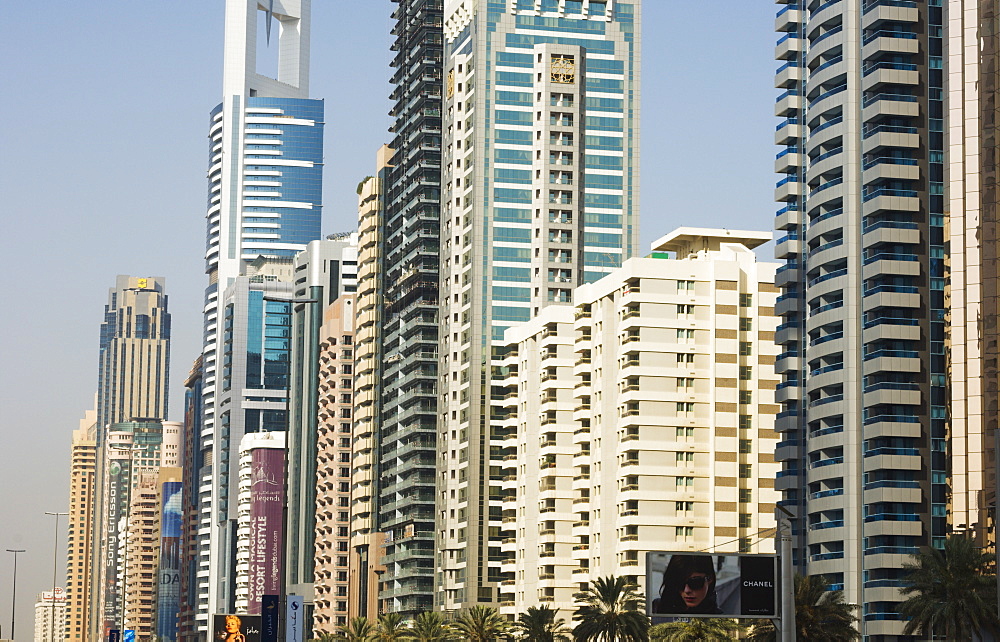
x=13 y=592
x=55 y=564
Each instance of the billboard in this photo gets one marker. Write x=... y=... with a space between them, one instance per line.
x=236 y=628
x=168 y=595
x=683 y=585
x=116 y=499
x=267 y=501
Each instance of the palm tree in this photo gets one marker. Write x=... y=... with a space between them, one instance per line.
x=611 y=609
x=357 y=630
x=430 y=626
x=953 y=592
x=539 y=624
x=697 y=630
x=821 y=615
x=481 y=624
x=323 y=636
x=390 y=627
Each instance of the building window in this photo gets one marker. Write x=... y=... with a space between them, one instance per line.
x=746 y=422
x=746 y=300
x=746 y=349
x=746 y=397
x=746 y=446
x=746 y=471
x=746 y=373
x=563 y=69
x=746 y=324
x=746 y=495
x=683 y=287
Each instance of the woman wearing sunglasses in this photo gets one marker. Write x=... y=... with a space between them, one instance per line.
x=688 y=586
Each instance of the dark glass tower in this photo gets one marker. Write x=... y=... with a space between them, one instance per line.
x=408 y=323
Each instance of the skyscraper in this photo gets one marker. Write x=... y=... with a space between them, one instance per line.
x=133 y=370
x=83 y=477
x=265 y=195
x=408 y=259
x=540 y=194
x=134 y=356
x=323 y=272
x=864 y=399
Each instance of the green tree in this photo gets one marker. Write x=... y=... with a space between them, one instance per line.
x=430 y=627
x=952 y=592
x=390 y=627
x=481 y=624
x=539 y=624
x=357 y=630
x=821 y=615
x=323 y=636
x=611 y=609
x=697 y=630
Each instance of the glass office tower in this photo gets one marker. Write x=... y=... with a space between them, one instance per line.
x=863 y=421
x=264 y=200
x=540 y=194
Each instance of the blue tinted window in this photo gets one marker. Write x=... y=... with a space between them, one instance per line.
x=520 y=156
x=603 y=200
x=511 y=215
x=594 y=161
x=512 y=195
x=514 y=59
x=513 y=78
x=511 y=235
x=514 y=98
x=612 y=143
x=507 y=293
x=511 y=137
x=602 y=240
x=520 y=255
x=510 y=314
x=504 y=117
x=512 y=274
x=601 y=181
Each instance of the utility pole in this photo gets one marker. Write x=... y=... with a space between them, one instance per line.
x=13 y=592
x=55 y=565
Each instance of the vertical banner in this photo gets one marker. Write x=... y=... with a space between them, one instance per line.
x=269 y=618
x=168 y=597
x=114 y=635
x=116 y=508
x=294 y=618
x=267 y=501
x=129 y=636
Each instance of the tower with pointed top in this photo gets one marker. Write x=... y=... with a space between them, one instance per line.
x=264 y=204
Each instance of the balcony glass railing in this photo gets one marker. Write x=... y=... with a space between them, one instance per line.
x=828 y=276
x=885 y=191
x=888 y=160
x=891 y=483
x=832 y=32
x=899 y=66
x=904 y=419
x=830 y=214
x=828 y=3
x=891 y=385
x=890 y=256
x=826 y=246
x=905 y=98
x=890 y=321
x=908 y=452
x=836 y=523
x=830 y=368
x=826 y=308
x=791 y=178
x=893 y=517
x=898 y=354
x=788 y=36
x=825 y=155
x=786 y=152
x=832 y=461
x=829 y=63
x=892 y=550
x=786 y=123
x=826 y=400
x=906 y=35
x=827 y=94
x=892 y=289
x=829 y=123
x=833 y=336
x=827 y=185
x=787 y=65
x=829 y=430
x=819 y=557
x=871 y=4
x=832 y=492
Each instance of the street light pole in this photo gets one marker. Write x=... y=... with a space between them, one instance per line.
x=13 y=592
x=55 y=564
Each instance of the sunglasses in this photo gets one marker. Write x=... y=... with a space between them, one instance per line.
x=696 y=583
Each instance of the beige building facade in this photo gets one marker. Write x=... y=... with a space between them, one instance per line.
x=333 y=471
x=639 y=419
x=83 y=473
x=50 y=616
x=366 y=540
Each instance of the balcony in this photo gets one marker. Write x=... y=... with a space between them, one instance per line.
x=788 y=47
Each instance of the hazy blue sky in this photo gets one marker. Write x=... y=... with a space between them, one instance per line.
x=103 y=154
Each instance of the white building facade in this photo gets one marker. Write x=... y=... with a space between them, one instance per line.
x=639 y=419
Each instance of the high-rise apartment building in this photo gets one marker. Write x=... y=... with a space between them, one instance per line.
x=323 y=272
x=130 y=458
x=50 y=616
x=863 y=360
x=639 y=419
x=265 y=199
x=334 y=457
x=409 y=260
x=83 y=486
x=134 y=357
x=540 y=194
x=364 y=562
x=144 y=541
x=195 y=492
